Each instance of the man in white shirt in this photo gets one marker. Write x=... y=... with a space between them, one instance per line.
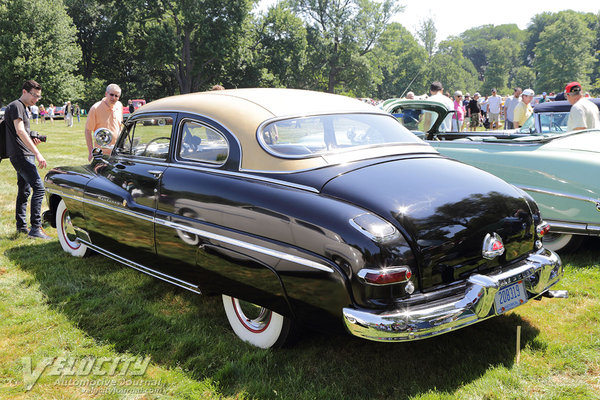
x=494 y=106
x=509 y=108
x=584 y=114
x=35 y=113
x=437 y=94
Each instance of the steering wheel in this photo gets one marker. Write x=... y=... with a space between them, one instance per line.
x=154 y=140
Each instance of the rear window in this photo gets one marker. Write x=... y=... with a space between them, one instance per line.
x=324 y=134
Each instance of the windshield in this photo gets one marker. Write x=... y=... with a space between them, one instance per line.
x=549 y=122
x=323 y=134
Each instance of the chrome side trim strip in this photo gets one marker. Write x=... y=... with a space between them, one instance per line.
x=247 y=176
x=567 y=196
x=245 y=245
x=124 y=211
x=146 y=270
x=208 y=235
x=579 y=228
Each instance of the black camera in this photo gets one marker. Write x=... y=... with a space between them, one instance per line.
x=35 y=135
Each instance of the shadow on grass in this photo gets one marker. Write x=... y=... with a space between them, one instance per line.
x=142 y=315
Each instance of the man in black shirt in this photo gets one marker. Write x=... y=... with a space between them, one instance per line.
x=23 y=153
x=474 y=112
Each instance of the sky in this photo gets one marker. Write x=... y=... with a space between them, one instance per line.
x=453 y=18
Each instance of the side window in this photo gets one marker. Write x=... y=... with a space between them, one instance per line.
x=202 y=143
x=148 y=137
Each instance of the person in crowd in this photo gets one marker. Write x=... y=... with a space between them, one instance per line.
x=77 y=111
x=584 y=114
x=509 y=108
x=523 y=109
x=23 y=152
x=474 y=112
x=42 y=113
x=130 y=106
x=411 y=117
x=484 y=108
x=217 y=87
x=494 y=105
x=466 y=100
x=51 y=113
x=544 y=98
x=35 y=113
x=69 y=114
x=458 y=118
x=107 y=113
x=437 y=94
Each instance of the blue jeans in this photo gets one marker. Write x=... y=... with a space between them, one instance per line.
x=28 y=180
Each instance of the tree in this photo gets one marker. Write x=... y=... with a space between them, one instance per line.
x=564 y=53
x=450 y=67
x=205 y=35
x=37 y=41
x=280 y=49
x=342 y=33
x=401 y=61
x=427 y=33
x=479 y=41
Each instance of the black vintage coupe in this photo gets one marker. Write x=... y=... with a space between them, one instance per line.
x=304 y=209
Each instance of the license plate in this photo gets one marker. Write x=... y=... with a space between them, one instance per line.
x=510 y=297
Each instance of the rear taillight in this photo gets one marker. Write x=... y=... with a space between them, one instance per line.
x=385 y=276
x=542 y=229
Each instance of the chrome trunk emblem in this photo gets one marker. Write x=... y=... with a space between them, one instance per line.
x=492 y=246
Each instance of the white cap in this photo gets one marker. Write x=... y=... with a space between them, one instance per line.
x=528 y=92
x=458 y=93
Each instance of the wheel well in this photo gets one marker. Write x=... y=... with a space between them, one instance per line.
x=53 y=203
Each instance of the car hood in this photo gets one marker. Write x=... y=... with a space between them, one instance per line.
x=444 y=209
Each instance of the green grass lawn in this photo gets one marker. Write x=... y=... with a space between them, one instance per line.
x=64 y=311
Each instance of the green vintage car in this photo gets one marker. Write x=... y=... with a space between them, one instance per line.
x=558 y=169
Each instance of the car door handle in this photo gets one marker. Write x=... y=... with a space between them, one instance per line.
x=157 y=174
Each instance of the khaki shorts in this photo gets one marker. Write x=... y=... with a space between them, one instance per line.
x=474 y=120
x=494 y=118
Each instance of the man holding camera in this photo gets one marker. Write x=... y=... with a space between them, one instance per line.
x=21 y=147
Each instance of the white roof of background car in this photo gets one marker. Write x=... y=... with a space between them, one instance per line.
x=242 y=111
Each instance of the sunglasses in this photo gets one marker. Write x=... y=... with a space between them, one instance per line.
x=114 y=95
x=37 y=96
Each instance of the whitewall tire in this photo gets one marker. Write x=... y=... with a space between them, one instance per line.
x=562 y=241
x=66 y=233
x=255 y=324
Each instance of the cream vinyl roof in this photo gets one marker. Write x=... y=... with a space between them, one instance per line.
x=242 y=111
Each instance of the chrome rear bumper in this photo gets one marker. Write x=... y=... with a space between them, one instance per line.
x=538 y=272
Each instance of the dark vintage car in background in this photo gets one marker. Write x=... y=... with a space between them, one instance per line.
x=557 y=168
x=304 y=209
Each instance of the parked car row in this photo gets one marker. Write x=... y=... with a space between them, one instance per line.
x=556 y=167
x=305 y=209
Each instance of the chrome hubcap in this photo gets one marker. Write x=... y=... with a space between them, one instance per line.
x=255 y=318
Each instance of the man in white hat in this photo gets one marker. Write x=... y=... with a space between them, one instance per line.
x=523 y=110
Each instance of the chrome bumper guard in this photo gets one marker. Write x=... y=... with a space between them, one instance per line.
x=539 y=272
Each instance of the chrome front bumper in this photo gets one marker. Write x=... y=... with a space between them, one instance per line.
x=538 y=272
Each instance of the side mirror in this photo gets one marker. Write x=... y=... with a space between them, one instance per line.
x=103 y=137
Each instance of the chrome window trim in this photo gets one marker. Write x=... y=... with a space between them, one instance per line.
x=270 y=151
x=212 y=123
x=206 y=234
x=115 y=153
x=177 y=154
x=431 y=152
